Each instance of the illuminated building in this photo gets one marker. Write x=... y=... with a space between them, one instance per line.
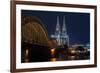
x=61 y=34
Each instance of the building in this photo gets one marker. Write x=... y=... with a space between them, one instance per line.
x=60 y=34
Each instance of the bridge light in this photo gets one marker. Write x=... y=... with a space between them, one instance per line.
x=52 y=51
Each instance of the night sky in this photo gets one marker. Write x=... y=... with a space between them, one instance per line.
x=77 y=24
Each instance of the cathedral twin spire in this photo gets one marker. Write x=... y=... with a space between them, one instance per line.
x=58 y=28
x=61 y=34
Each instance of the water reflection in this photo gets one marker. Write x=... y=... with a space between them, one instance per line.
x=53 y=59
x=56 y=55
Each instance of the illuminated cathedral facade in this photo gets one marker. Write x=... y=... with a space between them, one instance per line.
x=60 y=34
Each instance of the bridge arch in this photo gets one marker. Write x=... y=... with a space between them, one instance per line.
x=33 y=31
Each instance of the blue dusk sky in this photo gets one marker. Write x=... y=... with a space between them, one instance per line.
x=77 y=24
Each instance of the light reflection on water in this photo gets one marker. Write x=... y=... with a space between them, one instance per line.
x=53 y=59
x=26 y=60
x=63 y=59
x=60 y=57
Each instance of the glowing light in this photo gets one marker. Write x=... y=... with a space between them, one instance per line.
x=73 y=51
x=53 y=59
x=26 y=55
x=52 y=51
x=26 y=60
x=27 y=51
x=72 y=57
